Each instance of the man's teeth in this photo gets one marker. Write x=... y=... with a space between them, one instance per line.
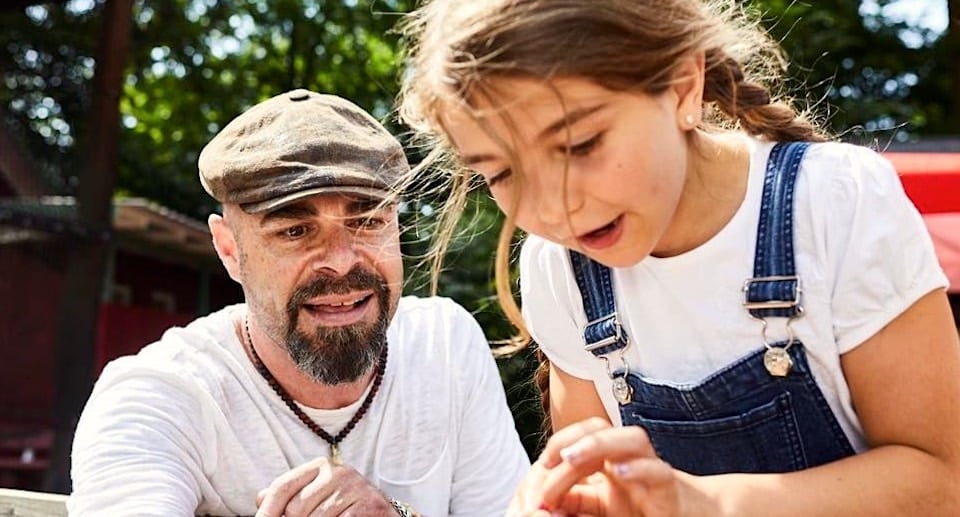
x=344 y=304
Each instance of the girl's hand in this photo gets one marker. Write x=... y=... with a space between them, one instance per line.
x=592 y=468
x=529 y=495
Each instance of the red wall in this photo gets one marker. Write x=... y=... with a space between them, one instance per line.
x=31 y=287
x=123 y=330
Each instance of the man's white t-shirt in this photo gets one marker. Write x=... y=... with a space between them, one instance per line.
x=862 y=254
x=188 y=426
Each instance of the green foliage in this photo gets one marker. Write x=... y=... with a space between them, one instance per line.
x=871 y=77
x=197 y=64
x=47 y=64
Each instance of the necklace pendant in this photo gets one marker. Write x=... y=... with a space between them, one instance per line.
x=777 y=361
x=335 y=454
x=622 y=391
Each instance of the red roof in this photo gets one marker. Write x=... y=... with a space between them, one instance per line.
x=932 y=180
x=945 y=230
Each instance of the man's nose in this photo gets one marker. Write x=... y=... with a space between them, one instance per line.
x=337 y=254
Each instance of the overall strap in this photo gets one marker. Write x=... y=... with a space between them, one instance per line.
x=603 y=333
x=774 y=290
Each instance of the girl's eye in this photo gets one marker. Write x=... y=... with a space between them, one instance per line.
x=584 y=148
x=499 y=177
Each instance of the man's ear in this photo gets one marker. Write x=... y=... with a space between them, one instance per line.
x=688 y=86
x=226 y=245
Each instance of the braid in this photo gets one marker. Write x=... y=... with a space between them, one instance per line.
x=541 y=378
x=751 y=103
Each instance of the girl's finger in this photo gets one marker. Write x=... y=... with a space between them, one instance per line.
x=591 y=454
x=567 y=436
x=611 y=444
x=528 y=495
x=651 y=472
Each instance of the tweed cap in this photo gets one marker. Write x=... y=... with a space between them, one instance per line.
x=298 y=144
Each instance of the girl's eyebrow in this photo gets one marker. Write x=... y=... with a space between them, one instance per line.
x=568 y=119
x=474 y=159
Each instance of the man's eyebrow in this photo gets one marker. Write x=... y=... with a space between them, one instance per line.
x=360 y=206
x=292 y=211
x=568 y=119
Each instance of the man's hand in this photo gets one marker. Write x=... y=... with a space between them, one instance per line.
x=321 y=488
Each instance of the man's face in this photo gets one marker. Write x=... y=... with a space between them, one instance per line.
x=322 y=276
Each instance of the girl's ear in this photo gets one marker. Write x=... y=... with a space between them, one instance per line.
x=226 y=245
x=688 y=87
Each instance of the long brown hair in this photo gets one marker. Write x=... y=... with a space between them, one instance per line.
x=453 y=48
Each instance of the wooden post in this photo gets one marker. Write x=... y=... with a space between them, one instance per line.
x=76 y=333
x=21 y=503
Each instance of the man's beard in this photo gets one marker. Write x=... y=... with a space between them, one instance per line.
x=335 y=355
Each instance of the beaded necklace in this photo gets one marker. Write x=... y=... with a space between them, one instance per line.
x=333 y=441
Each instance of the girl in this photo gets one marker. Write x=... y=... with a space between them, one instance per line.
x=741 y=318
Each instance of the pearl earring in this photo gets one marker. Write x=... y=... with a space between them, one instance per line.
x=689 y=119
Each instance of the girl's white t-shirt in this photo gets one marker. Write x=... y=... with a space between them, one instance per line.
x=862 y=253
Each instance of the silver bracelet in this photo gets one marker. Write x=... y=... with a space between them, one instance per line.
x=403 y=509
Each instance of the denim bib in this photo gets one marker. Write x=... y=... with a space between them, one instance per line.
x=762 y=413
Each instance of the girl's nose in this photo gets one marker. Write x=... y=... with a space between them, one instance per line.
x=558 y=196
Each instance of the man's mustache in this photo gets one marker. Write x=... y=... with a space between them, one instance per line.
x=356 y=279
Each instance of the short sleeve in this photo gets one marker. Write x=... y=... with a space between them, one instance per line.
x=879 y=248
x=491 y=461
x=137 y=447
x=551 y=306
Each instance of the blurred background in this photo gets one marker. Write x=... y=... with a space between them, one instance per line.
x=105 y=105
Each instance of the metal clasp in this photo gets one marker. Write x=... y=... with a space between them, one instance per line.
x=618 y=333
x=621 y=389
x=776 y=360
x=773 y=304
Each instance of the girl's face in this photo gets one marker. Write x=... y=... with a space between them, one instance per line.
x=600 y=171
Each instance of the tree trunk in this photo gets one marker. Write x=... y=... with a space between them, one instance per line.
x=76 y=332
x=953 y=46
x=16 y=166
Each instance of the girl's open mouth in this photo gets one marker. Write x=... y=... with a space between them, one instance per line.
x=603 y=237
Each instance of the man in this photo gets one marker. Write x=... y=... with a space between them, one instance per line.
x=326 y=393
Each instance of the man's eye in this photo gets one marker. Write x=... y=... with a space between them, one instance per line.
x=370 y=223
x=295 y=232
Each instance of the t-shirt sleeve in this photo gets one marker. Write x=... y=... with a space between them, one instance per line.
x=552 y=308
x=491 y=460
x=136 y=449
x=881 y=252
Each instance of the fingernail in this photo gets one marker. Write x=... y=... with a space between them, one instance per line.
x=544 y=506
x=570 y=454
x=621 y=470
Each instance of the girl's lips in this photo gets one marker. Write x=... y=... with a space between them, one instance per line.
x=603 y=238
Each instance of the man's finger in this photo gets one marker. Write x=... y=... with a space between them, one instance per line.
x=273 y=500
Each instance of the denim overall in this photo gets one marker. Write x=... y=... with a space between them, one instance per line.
x=764 y=412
